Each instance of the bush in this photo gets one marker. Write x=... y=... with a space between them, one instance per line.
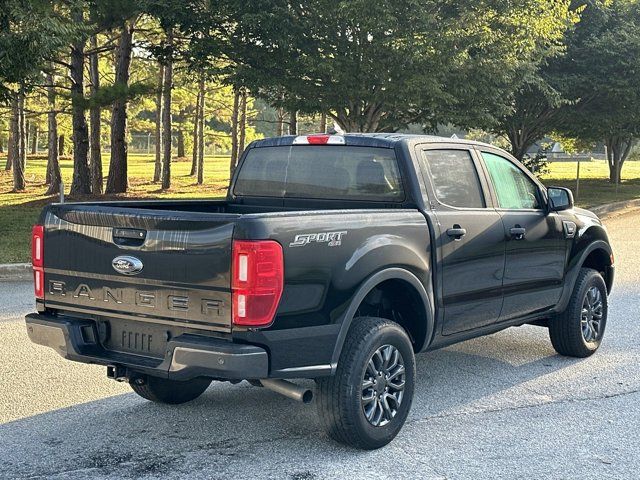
x=539 y=164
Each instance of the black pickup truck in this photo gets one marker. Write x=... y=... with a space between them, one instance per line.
x=335 y=258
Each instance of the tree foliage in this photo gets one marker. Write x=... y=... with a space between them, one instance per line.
x=534 y=109
x=513 y=69
x=383 y=65
x=600 y=74
x=32 y=33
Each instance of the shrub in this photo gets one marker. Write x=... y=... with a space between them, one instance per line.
x=538 y=164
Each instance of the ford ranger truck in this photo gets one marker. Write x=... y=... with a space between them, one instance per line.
x=333 y=257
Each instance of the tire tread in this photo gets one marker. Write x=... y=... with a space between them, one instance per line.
x=565 y=337
x=333 y=391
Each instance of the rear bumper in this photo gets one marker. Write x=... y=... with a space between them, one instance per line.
x=186 y=357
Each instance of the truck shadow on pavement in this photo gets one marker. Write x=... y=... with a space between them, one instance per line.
x=232 y=426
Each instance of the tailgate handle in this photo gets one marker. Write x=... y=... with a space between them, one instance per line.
x=129 y=237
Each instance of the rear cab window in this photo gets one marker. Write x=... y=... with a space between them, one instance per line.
x=333 y=172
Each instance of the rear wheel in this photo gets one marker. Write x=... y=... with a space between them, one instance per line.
x=162 y=390
x=366 y=403
x=578 y=331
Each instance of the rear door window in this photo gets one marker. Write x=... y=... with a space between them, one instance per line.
x=454 y=177
x=321 y=172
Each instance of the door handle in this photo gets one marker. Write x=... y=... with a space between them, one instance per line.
x=518 y=232
x=456 y=232
x=130 y=237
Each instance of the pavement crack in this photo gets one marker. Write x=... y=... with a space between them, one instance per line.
x=525 y=407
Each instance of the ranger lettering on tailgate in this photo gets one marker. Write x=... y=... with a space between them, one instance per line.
x=144 y=298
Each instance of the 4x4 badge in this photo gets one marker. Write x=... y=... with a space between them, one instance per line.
x=333 y=239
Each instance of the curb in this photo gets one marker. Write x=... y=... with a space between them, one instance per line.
x=611 y=209
x=14 y=272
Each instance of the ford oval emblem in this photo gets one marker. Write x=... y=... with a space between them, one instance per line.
x=127 y=265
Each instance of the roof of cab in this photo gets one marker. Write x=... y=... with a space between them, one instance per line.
x=381 y=140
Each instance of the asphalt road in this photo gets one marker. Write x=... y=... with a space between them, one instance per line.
x=503 y=406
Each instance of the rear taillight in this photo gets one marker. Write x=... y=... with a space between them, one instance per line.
x=37 y=259
x=257 y=281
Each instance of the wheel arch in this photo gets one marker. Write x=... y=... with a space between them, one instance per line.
x=600 y=259
x=597 y=255
x=424 y=327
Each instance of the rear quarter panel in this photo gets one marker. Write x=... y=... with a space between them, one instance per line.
x=321 y=277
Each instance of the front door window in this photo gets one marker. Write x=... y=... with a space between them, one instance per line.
x=515 y=191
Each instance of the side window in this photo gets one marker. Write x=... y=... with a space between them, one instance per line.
x=514 y=189
x=455 y=178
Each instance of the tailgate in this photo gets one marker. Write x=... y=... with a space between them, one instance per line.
x=140 y=265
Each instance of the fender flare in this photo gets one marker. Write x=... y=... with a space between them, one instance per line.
x=572 y=273
x=369 y=284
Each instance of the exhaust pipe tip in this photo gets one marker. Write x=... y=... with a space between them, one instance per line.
x=288 y=389
x=307 y=396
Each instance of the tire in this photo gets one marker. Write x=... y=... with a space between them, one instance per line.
x=573 y=333
x=340 y=401
x=172 y=392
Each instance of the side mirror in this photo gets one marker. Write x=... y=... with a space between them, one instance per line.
x=560 y=198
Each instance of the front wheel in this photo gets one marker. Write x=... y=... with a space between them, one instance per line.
x=366 y=403
x=578 y=331
x=173 y=392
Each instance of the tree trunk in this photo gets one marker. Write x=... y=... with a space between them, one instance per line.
x=10 y=143
x=196 y=136
x=157 y=173
x=280 y=122
x=53 y=166
x=27 y=137
x=618 y=149
x=180 y=135
x=613 y=161
x=81 y=184
x=202 y=93
x=234 y=132
x=166 y=115
x=47 y=177
x=34 y=139
x=24 y=130
x=520 y=141
x=323 y=123
x=243 y=123
x=293 y=122
x=17 y=139
x=61 y=145
x=118 y=178
x=95 y=122
x=360 y=117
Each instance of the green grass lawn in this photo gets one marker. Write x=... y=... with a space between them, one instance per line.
x=595 y=188
x=19 y=211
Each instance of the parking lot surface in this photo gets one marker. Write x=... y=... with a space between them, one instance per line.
x=502 y=406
